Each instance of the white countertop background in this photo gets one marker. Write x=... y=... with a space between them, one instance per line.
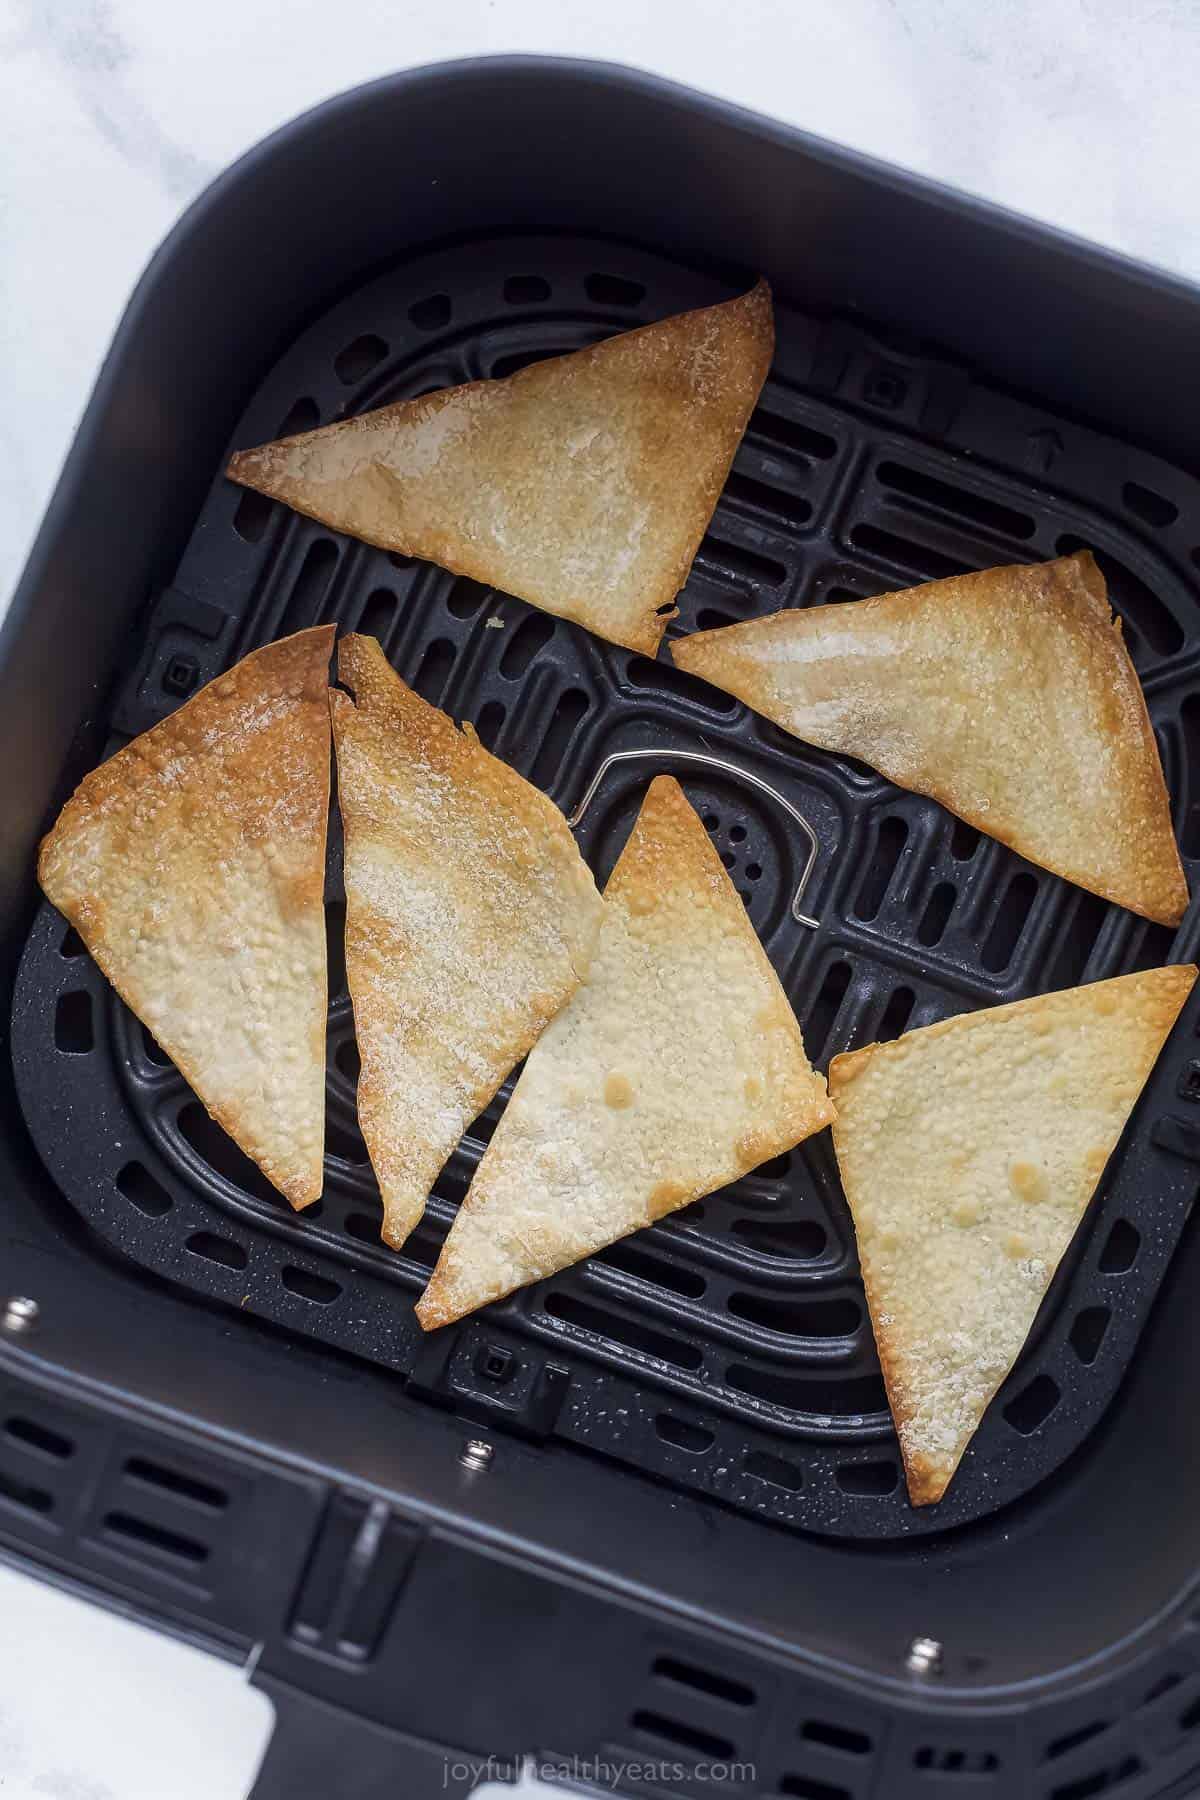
x=115 y=113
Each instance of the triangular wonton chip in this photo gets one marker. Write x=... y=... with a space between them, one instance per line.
x=192 y=865
x=675 y=1070
x=470 y=920
x=1009 y=696
x=969 y=1151
x=583 y=484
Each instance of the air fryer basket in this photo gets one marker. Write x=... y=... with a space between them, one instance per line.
x=724 y=1355
x=729 y=1348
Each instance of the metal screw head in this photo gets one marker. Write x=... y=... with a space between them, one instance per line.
x=475 y=1454
x=924 y=1657
x=20 y=1314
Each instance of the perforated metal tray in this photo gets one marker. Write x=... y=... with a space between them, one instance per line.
x=727 y=1349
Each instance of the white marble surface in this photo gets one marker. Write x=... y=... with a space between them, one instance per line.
x=89 y=1707
x=114 y=113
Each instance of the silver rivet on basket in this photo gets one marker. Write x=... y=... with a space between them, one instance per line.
x=726 y=768
x=20 y=1314
x=475 y=1454
x=924 y=1657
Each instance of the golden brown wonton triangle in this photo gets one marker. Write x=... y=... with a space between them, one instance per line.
x=192 y=865
x=678 y=1067
x=1009 y=696
x=470 y=920
x=583 y=484
x=969 y=1151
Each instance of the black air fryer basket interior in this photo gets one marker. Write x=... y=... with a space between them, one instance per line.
x=692 y=1542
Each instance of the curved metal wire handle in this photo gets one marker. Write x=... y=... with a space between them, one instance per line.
x=727 y=768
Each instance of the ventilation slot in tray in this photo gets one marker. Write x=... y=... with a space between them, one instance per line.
x=796 y=1239
x=1077 y=942
x=704 y=1681
x=620 y=1330
x=303 y=415
x=825 y=1395
x=359 y=358
x=792 y=434
x=843 y=1738
x=792 y=509
x=523 y=643
x=216 y=1249
x=823 y=1013
x=73 y=1030
x=434 y=672
x=43 y=1440
x=432 y=313
x=378 y=615
x=774 y=1469
x=1031 y=1408
x=890 y=839
x=488 y=722
x=923 y=561
x=180 y=1485
x=1074 y=1740
x=25 y=1495
x=466 y=597
x=936 y=916
x=218 y=1150
x=614 y=290
x=679 y=1734
x=1154 y=509
x=253 y=515
x=744 y=565
x=630 y=1256
x=941 y=495
x=798 y=1318
x=1100 y=1781
x=569 y=713
x=1120 y=1249
x=310 y=587
x=307 y=1286
x=956 y=1762
x=142 y=1190
x=964 y=840
x=1087 y=1333
x=697 y=1440
x=526 y=290
x=808 y=1787
x=665 y=678
x=1009 y=923
x=153 y=1542
x=868 y=1479
x=895 y=1016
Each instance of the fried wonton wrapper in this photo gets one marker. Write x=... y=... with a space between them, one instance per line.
x=583 y=483
x=678 y=1067
x=1009 y=696
x=969 y=1151
x=470 y=920
x=192 y=865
